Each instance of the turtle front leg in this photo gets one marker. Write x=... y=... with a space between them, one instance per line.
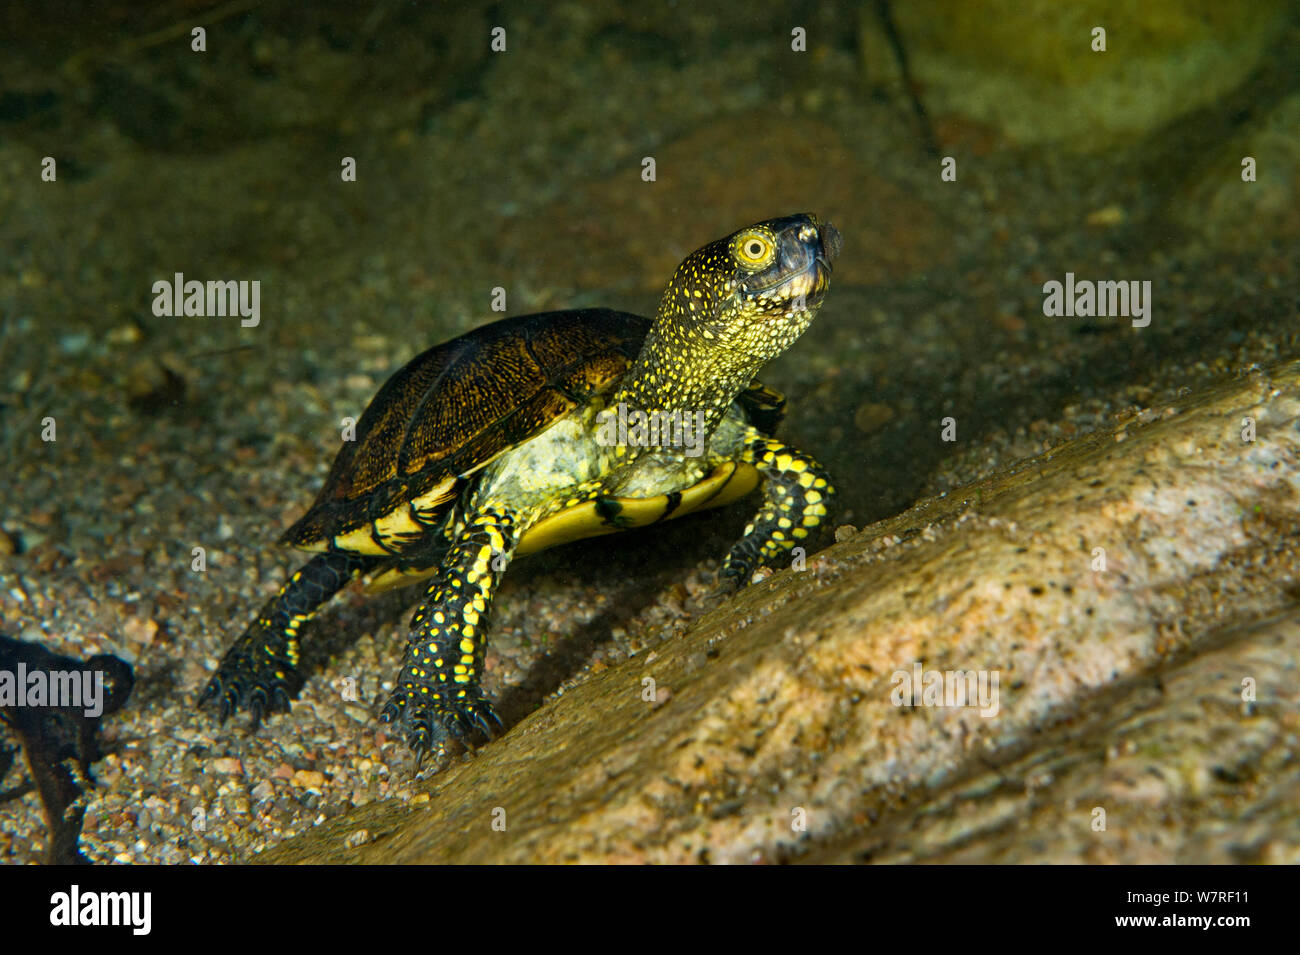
x=796 y=490
x=259 y=671
x=438 y=693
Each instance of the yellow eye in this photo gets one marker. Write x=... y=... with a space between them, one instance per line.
x=754 y=250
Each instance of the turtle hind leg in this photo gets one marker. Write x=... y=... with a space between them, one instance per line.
x=796 y=491
x=438 y=692
x=260 y=670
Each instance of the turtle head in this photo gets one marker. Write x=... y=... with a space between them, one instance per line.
x=730 y=308
x=750 y=295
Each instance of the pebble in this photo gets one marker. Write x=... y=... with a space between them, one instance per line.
x=128 y=334
x=308 y=779
x=1107 y=216
x=358 y=838
x=139 y=630
x=872 y=416
x=74 y=343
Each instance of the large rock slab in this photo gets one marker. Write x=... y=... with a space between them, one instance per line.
x=771 y=730
x=1032 y=68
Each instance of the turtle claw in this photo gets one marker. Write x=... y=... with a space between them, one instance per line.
x=280 y=701
x=225 y=698
x=729 y=582
x=257 y=682
x=488 y=729
x=255 y=713
x=429 y=724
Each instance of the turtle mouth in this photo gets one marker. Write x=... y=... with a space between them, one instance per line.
x=805 y=262
x=809 y=280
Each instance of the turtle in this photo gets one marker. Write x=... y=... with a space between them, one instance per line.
x=537 y=430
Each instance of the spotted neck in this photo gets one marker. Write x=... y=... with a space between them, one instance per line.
x=681 y=370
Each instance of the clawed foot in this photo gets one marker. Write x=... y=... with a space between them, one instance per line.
x=428 y=717
x=731 y=579
x=252 y=679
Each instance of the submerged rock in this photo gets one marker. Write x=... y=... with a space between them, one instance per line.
x=1035 y=71
x=1075 y=585
x=1239 y=212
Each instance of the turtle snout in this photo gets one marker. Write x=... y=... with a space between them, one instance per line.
x=832 y=243
x=821 y=240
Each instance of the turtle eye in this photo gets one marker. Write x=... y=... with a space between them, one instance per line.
x=754 y=250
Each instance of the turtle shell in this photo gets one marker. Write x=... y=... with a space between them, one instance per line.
x=453 y=409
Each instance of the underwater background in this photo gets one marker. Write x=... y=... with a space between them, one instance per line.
x=969 y=154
